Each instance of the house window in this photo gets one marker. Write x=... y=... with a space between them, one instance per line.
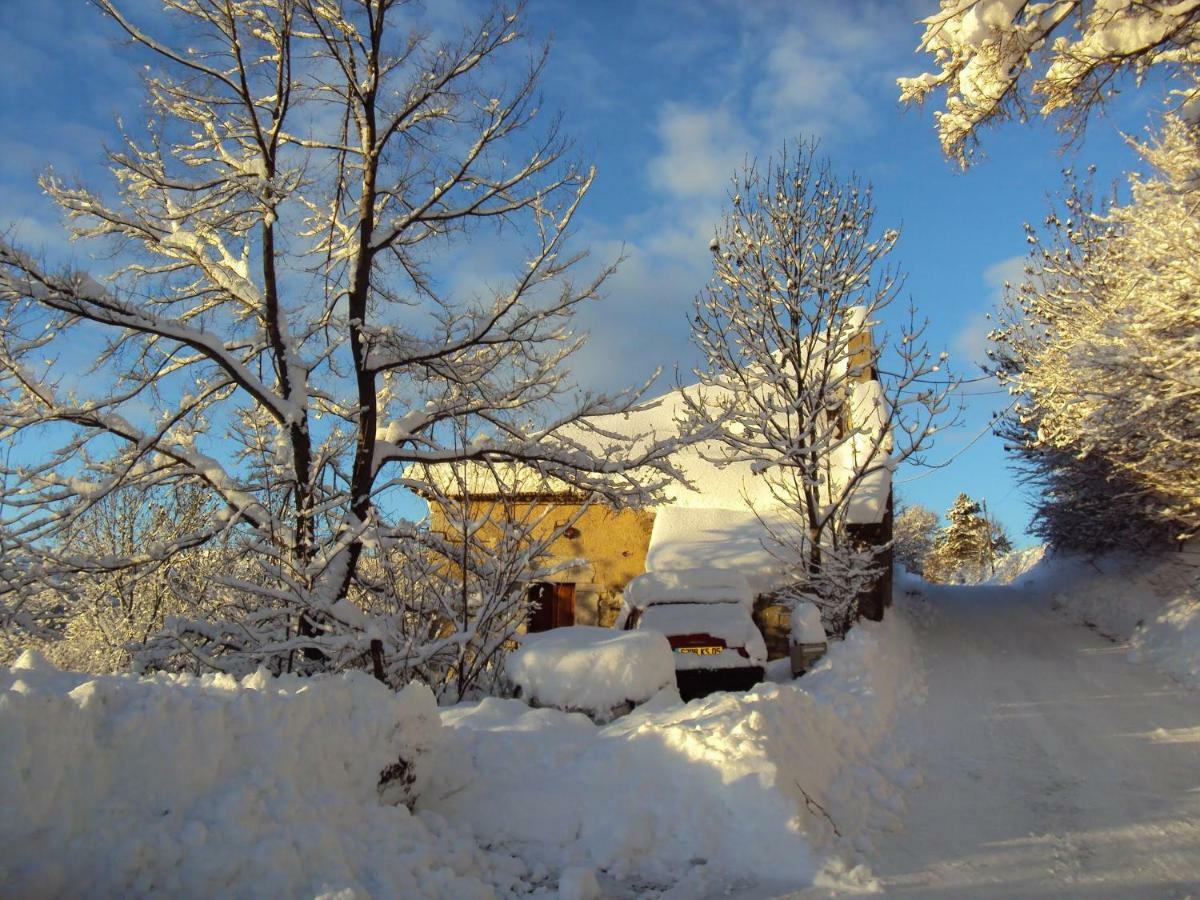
x=551 y=605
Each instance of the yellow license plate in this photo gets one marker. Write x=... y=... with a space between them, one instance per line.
x=700 y=651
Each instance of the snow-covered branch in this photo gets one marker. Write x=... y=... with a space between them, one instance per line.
x=985 y=49
x=280 y=331
x=1099 y=345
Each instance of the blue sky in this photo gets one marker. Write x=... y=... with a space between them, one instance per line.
x=666 y=99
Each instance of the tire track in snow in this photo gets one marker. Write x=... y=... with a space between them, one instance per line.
x=1052 y=765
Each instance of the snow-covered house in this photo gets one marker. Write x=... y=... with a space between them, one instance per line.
x=717 y=522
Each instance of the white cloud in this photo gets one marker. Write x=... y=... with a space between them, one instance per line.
x=641 y=322
x=971 y=344
x=823 y=78
x=772 y=75
x=701 y=149
x=1007 y=271
x=828 y=73
x=809 y=90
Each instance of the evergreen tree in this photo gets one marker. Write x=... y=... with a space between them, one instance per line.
x=966 y=550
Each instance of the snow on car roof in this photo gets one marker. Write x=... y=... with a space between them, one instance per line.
x=694 y=585
x=736 y=543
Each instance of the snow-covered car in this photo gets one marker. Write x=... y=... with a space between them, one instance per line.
x=705 y=615
x=599 y=672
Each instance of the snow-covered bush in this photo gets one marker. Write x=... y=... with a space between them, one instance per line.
x=913 y=534
x=1081 y=502
x=98 y=619
x=1099 y=344
x=847 y=570
x=181 y=786
x=597 y=671
x=439 y=606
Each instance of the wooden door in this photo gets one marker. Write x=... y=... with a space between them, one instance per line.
x=553 y=606
x=564 y=605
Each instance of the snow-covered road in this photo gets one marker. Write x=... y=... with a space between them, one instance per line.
x=1052 y=765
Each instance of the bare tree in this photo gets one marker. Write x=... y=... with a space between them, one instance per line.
x=488 y=548
x=281 y=329
x=792 y=376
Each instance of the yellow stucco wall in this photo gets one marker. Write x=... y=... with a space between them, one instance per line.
x=611 y=544
x=614 y=542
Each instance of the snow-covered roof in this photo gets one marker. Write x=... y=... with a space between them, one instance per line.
x=714 y=485
x=722 y=486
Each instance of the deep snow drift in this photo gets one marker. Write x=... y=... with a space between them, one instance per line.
x=115 y=785
x=1152 y=602
x=734 y=790
x=175 y=786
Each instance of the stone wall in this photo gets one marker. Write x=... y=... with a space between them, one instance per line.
x=774 y=620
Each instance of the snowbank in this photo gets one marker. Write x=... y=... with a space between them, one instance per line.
x=596 y=671
x=179 y=786
x=733 y=789
x=1013 y=566
x=1153 y=602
